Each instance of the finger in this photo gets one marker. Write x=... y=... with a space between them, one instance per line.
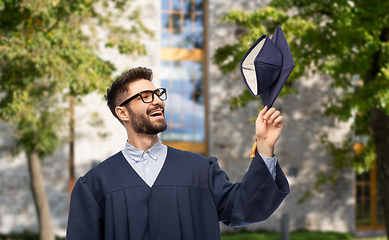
x=262 y=113
x=269 y=113
x=278 y=120
x=275 y=115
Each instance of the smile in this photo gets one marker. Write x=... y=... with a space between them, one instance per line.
x=157 y=113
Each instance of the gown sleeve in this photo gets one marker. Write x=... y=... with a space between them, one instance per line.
x=84 y=220
x=254 y=199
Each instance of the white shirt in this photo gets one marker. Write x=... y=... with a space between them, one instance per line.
x=148 y=164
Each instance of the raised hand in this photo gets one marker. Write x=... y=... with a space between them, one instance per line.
x=268 y=128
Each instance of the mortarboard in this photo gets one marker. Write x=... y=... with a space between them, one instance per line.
x=266 y=66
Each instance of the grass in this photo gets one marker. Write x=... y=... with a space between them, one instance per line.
x=377 y=238
x=23 y=236
x=297 y=235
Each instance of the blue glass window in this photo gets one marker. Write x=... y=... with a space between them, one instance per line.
x=177 y=6
x=182 y=27
x=185 y=104
x=165 y=5
x=182 y=24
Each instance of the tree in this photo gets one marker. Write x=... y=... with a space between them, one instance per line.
x=347 y=40
x=46 y=58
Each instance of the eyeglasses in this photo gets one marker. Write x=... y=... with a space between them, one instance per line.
x=148 y=96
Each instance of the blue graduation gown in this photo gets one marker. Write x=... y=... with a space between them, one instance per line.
x=188 y=199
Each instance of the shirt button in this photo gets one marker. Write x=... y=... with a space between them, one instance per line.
x=147 y=169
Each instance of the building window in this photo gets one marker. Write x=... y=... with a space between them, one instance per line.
x=369 y=210
x=182 y=73
x=185 y=108
x=182 y=24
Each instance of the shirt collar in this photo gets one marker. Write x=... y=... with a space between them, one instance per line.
x=137 y=155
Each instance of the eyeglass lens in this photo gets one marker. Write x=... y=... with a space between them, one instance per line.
x=148 y=96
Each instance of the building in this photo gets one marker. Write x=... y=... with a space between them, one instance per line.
x=200 y=120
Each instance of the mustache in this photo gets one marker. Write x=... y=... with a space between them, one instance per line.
x=155 y=107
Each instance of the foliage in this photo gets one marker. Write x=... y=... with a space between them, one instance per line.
x=48 y=57
x=252 y=26
x=296 y=235
x=347 y=40
x=48 y=52
x=24 y=236
x=359 y=157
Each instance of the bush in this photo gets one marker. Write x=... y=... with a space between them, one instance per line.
x=24 y=236
x=296 y=235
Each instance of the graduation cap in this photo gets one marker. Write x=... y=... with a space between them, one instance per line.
x=266 y=66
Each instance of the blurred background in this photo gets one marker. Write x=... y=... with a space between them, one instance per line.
x=57 y=58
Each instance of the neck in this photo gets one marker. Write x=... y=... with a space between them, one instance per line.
x=141 y=141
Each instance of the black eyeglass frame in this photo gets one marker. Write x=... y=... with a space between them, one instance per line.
x=159 y=92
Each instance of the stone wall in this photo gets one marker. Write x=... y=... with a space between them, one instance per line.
x=16 y=200
x=99 y=135
x=299 y=148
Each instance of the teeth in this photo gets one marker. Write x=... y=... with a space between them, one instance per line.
x=156 y=112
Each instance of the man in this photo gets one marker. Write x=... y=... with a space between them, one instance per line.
x=151 y=191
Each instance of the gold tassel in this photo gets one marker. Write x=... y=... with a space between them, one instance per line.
x=252 y=153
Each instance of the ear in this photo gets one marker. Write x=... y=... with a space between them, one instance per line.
x=122 y=113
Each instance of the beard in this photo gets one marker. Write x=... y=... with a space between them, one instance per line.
x=141 y=123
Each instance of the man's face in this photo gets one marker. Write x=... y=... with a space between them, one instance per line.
x=146 y=118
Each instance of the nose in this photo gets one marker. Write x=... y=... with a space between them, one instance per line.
x=156 y=99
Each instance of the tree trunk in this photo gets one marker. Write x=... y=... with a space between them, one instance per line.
x=380 y=126
x=40 y=200
x=71 y=147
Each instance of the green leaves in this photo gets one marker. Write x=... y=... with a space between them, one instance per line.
x=249 y=28
x=47 y=53
x=347 y=40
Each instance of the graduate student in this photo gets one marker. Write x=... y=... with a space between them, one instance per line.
x=152 y=191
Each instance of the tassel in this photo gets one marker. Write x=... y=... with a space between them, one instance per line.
x=253 y=149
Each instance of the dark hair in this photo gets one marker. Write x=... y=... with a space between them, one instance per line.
x=116 y=93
